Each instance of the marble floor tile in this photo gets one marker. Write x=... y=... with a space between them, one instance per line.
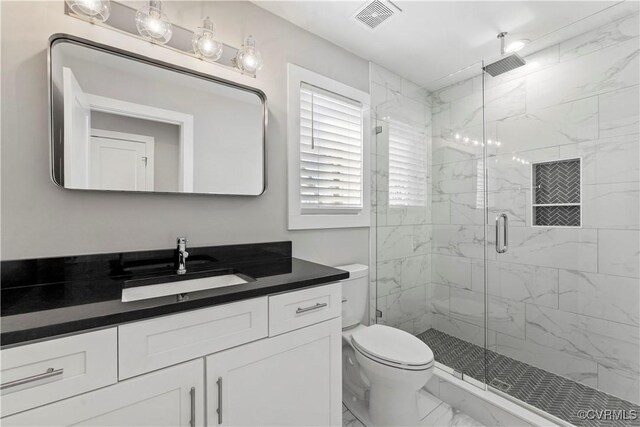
x=445 y=415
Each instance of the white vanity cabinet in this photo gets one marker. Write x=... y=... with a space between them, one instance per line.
x=165 y=371
x=293 y=379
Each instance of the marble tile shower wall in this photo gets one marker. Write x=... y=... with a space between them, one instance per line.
x=563 y=299
x=402 y=236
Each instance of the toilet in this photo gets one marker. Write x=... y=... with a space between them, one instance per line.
x=380 y=364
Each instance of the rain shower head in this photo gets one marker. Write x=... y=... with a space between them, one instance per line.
x=505 y=63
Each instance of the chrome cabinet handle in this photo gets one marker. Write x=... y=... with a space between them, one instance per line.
x=219 y=410
x=505 y=240
x=192 y=395
x=48 y=374
x=313 y=307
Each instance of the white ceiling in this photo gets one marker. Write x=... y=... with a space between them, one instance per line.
x=431 y=39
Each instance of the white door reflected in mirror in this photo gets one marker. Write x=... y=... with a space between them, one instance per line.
x=120 y=161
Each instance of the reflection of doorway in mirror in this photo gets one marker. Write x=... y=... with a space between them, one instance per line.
x=121 y=161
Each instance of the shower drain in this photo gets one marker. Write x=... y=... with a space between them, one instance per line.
x=500 y=385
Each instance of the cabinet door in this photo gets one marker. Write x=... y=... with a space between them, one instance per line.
x=291 y=379
x=169 y=397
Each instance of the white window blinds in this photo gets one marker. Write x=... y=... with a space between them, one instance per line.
x=331 y=152
x=407 y=165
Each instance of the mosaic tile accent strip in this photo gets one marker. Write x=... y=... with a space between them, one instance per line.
x=549 y=392
x=568 y=216
x=559 y=182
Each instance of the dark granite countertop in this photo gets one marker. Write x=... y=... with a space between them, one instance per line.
x=54 y=296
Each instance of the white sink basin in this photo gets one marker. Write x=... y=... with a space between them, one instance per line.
x=138 y=293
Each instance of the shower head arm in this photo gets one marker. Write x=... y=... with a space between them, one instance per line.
x=501 y=36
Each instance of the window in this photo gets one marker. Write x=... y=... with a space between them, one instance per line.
x=328 y=152
x=407 y=165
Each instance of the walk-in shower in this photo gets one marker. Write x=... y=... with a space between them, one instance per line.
x=550 y=315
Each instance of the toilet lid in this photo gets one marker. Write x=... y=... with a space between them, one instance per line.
x=393 y=345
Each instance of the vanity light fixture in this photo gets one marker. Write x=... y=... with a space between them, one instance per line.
x=153 y=24
x=204 y=41
x=248 y=58
x=94 y=9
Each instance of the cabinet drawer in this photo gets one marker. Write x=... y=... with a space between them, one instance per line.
x=44 y=372
x=293 y=310
x=153 y=344
x=172 y=397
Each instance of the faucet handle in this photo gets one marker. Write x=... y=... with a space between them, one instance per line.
x=181 y=240
x=185 y=254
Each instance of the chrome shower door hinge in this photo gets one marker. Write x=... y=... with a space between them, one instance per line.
x=378 y=130
x=379 y=313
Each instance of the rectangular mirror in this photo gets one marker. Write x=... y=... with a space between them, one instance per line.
x=123 y=122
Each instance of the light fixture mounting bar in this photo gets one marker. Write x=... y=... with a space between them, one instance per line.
x=122 y=20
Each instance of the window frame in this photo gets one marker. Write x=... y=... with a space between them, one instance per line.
x=349 y=218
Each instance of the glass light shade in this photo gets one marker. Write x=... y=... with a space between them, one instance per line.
x=248 y=58
x=153 y=24
x=95 y=9
x=205 y=43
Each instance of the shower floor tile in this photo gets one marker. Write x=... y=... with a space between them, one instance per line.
x=549 y=392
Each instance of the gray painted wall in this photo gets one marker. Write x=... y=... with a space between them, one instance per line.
x=39 y=219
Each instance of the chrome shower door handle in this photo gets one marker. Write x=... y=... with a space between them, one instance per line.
x=504 y=247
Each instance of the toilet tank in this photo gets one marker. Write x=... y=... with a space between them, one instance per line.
x=354 y=294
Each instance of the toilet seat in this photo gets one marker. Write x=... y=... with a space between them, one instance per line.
x=393 y=347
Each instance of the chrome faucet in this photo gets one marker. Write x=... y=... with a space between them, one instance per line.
x=182 y=255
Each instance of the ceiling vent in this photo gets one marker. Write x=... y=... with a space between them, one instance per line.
x=372 y=14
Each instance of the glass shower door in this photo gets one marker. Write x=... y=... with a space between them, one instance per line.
x=563 y=201
x=429 y=221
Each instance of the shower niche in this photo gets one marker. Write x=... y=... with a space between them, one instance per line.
x=556 y=193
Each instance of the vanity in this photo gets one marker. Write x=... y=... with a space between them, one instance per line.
x=263 y=352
